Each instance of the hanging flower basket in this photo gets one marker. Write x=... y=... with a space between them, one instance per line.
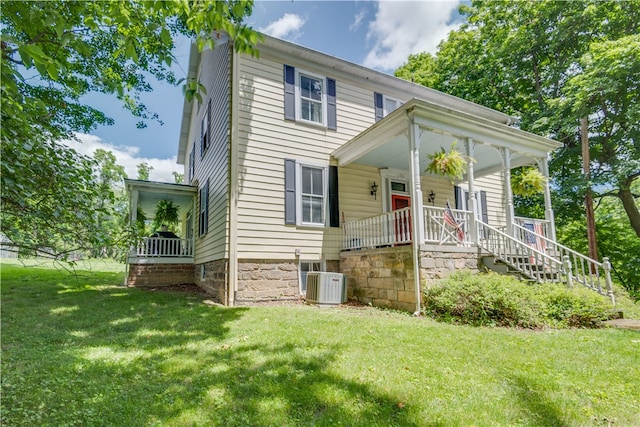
x=451 y=164
x=528 y=182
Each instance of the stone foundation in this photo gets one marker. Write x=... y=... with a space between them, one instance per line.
x=215 y=279
x=146 y=275
x=381 y=277
x=271 y=279
x=384 y=277
x=437 y=262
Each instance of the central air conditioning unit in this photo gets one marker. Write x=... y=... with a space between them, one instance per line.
x=326 y=288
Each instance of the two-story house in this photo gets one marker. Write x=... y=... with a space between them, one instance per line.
x=298 y=161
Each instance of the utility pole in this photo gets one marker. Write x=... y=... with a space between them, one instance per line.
x=588 y=198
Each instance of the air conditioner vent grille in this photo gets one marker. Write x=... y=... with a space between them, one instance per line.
x=326 y=288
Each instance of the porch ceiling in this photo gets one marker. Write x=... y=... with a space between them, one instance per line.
x=150 y=193
x=386 y=144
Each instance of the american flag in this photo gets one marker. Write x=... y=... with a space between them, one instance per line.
x=451 y=220
x=534 y=236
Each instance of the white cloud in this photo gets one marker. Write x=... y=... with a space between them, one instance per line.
x=286 y=27
x=401 y=28
x=127 y=156
x=357 y=20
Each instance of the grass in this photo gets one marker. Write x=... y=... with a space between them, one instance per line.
x=86 y=351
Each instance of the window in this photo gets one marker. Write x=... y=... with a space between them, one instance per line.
x=304 y=268
x=311 y=194
x=204 y=129
x=311 y=199
x=309 y=98
x=384 y=105
x=192 y=161
x=203 y=226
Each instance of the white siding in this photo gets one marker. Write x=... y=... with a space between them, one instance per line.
x=266 y=139
x=214 y=72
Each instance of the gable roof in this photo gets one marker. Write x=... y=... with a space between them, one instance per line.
x=285 y=51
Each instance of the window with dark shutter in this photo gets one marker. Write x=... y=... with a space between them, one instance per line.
x=378 y=102
x=289 y=92
x=203 y=227
x=331 y=105
x=289 y=191
x=334 y=208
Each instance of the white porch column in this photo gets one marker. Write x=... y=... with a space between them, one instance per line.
x=134 y=196
x=508 y=192
x=473 y=227
x=417 y=212
x=543 y=164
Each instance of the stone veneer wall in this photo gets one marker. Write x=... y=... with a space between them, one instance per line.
x=381 y=277
x=436 y=262
x=144 y=275
x=384 y=277
x=215 y=279
x=270 y=279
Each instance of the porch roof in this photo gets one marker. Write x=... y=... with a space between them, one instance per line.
x=151 y=192
x=386 y=143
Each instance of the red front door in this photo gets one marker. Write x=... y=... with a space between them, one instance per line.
x=402 y=220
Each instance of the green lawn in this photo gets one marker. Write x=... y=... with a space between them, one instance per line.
x=86 y=351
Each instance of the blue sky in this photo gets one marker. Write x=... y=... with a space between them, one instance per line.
x=376 y=34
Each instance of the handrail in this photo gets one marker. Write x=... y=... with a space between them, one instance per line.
x=584 y=270
x=529 y=261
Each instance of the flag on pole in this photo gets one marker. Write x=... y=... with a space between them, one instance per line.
x=450 y=219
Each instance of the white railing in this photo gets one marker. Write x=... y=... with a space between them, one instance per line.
x=582 y=269
x=163 y=247
x=539 y=226
x=439 y=231
x=388 y=229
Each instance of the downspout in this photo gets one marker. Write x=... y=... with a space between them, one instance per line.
x=232 y=265
x=416 y=205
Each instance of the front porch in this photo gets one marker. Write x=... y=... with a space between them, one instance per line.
x=398 y=148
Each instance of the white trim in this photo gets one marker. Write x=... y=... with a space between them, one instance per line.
x=386 y=98
x=323 y=267
x=325 y=193
x=298 y=97
x=388 y=175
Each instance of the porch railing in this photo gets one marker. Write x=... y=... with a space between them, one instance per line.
x=441 y=228
x=388 y=229
x=163 y=247
x=579 y=268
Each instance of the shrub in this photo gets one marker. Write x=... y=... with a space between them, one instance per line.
x=492 y=299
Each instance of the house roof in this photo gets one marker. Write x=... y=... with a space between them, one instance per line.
x=385 y=144
x=341 y=68
x=151 y=192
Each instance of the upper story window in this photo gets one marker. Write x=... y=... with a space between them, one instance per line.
x=204 y=129
x=192 y=161
x=385 y=105
x=309 y=98
x=312 y=98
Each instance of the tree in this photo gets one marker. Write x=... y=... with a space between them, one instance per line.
x=419 y=68
x=178 y=177
x=144 y=170
x=53 y=53
x=551 y=63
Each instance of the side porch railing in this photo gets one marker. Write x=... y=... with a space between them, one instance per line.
x=389 y=229
x=163 y=247
x=447 y=226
